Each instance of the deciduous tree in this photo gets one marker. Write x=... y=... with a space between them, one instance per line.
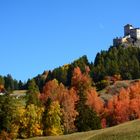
x=52 y=119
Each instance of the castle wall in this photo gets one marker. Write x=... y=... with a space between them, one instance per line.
x=117 y=41
x=135 y=33
x=138 y=33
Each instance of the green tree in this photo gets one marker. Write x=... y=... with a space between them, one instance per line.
x=16 y=87
x=20 y=85
x=33 y=93
x=40 y=80
x=117 y=60
x=87 y=118
x=10 y=115
x=9 y=83
x=1 y=80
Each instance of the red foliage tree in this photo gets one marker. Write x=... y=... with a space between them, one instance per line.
x=103 y=123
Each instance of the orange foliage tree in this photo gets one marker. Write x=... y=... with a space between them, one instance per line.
x=1 y=88
x=118 y=108
x=82 y=83
x=94 y=101
x=66 y=98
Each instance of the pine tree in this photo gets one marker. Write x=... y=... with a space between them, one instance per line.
x=33 y=93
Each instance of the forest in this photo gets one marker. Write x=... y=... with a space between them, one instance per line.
x=67 y=99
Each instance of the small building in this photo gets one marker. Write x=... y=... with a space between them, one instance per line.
x=1 y=93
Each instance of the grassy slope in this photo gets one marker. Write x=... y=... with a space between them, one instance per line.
x=126 y=131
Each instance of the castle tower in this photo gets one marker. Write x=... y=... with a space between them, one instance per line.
x=127 y=29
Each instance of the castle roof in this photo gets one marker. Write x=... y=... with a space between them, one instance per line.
x=135 y=29
x=128 y=25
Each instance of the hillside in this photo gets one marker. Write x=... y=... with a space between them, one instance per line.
x=105 y=90
x=114 y=89
x=126 y=131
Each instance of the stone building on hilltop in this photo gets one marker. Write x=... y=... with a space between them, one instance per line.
x=131 y=36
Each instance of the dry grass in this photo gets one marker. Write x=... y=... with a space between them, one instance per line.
x=19 y=91
x=126 y=131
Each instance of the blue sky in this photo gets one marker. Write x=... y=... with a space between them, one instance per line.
x=38 y=35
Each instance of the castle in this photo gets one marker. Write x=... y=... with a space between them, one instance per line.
x=131 y=36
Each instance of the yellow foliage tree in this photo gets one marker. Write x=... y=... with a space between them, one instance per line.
x=52 y=120
x=31 y=122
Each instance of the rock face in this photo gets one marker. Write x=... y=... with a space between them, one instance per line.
x=130 y=42
x=137 y=43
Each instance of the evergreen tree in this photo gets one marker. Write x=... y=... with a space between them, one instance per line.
x=33 y=93
x=117 y=60
x=9 y=115
x=87 y=118
x=20 y=85
x=9 y=83
x=2 y=82
x=16 y=87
